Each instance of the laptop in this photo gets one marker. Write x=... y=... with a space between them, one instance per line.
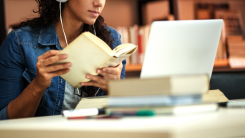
x=181 y=48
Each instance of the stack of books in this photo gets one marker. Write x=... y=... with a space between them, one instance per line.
x=176 y=95
x=173 y=95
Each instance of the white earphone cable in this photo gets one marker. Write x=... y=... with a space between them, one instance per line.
x=67 y=43
x=62 y=26
x=97 y=92
x=94 y=30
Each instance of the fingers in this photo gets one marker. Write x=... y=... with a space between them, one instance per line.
x=109 y=76
x=97 y=79
x=57 y=67
x=48 y=76
x=51 y=60
x=59 y=72
x=49 y=54
x=111 y=73
x=108 y=73
x=95 y=84
x=46 y=70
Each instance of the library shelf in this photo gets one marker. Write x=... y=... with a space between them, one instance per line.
x=136 y=67
x=219 y=65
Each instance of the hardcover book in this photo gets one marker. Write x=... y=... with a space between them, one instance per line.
x=171 y=85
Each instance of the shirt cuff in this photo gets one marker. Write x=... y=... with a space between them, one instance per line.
x=4 y=114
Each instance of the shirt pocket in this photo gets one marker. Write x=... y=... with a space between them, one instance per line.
x=29 y=76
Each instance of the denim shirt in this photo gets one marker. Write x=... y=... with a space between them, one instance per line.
x=18 y=58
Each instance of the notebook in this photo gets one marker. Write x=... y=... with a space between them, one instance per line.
x=181 y=48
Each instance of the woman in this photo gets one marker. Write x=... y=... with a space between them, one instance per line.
x=30 y=84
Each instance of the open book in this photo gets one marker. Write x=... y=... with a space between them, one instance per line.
x=88 y=53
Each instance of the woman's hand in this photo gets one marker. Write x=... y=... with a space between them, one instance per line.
x=46 y=71
x=25 y=105
x=107 y=73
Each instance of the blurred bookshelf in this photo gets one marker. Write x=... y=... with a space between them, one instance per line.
x=230 y=55
x=219 y=63
x=136 y=67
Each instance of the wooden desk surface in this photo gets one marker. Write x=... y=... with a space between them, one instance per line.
x=224 y=123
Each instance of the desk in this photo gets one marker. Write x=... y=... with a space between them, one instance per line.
x=224 y=123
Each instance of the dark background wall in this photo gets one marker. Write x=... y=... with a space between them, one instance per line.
x=232 y=84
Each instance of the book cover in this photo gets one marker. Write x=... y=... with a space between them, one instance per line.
x=172 y=85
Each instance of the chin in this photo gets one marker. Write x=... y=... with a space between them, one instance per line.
x=90 y=22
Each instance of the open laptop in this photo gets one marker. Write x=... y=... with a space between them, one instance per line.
x=181 y=48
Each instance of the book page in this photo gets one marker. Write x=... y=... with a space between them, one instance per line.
x=121 y=53
x=99 y=42
x=125 y=49
x=116 y=61
x=86 y=56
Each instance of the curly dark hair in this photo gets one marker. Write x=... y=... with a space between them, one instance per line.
x=48 y=11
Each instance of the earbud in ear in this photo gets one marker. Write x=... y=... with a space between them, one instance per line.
x=62 y=0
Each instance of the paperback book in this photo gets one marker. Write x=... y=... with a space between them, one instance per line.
x=88 y=53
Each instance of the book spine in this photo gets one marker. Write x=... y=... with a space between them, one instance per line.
x=140 y=45
x=158 y=100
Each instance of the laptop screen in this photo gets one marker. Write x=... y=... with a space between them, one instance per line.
x=181 y=48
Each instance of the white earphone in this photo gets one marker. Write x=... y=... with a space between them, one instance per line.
x=62 y=1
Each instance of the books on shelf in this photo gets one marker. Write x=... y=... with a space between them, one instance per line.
x=88 y=53
x=172 y=85
x=221 y=50
x=137 y=35
x=232 y=33
x=237 y=62
x=236 y=45
x=233 y=22
x=236 y=50
x=233 y=25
